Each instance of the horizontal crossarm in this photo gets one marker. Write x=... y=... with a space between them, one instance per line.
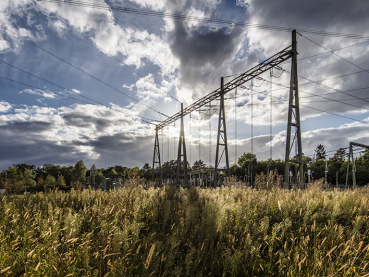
x=273 y=61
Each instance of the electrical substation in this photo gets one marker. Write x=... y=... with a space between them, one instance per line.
x=222 y=151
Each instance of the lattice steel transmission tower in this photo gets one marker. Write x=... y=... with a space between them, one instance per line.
x=293 y=118
x=351 y=157
x=156 y=157
x=222 y=136
x=218 y=94
x=182 y=147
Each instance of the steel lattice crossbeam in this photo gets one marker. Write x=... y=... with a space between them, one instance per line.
x=273 y=61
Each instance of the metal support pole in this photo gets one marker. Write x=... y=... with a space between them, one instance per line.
x=293 y=110
x=337 y=179
x=156 y=158
x=348 y=165
x=353 y=171
x=182 y=143
x=222 y=135
x=326 y=173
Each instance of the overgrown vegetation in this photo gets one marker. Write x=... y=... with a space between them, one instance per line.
x=228 y=231
x=24 y=177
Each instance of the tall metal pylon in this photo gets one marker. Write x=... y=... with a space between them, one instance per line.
x=293 y=113
x=182 y=145
x=351 y=157
x=156 y=157
x=222 y=135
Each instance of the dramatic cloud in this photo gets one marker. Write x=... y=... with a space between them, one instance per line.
x=184 y=59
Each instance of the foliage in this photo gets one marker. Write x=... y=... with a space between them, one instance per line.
x=320 y=152
x=226 y=231
x=29 y=179
x=79 y=173
x=49 y=183
x=61 y=182
x=247 y=159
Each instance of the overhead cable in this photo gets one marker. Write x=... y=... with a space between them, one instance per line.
x=334 y=100
x=66 y=96
x=106 y=52
x=203 y=19
x=286 y=100
x=81 y=70
x=335 y=53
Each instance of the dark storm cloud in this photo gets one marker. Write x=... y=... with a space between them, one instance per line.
x=202 y=46
x=86 y=121
x=339 y=16
x=21 y=127
x=30 y=145
x=203 y=52
x=128 y=149
x=24 y=142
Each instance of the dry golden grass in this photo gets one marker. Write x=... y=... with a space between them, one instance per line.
x=229 y=231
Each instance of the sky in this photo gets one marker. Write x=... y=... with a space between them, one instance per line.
x=80 y=83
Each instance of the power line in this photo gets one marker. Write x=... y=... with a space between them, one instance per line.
x=334 y=53
x=71 y=91
x=335 y=114
x=359 y=98
x=334 y=100
x=59 y=94
x=330 y=78
x=287 y=62
x=81 y=70
x=337 y=49
x=106 y=52
x=203 y=19
x=285 y=100
x=338 y=91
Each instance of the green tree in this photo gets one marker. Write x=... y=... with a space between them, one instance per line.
x=79 y=173
x=320 y=152
x=146 y=171
x=99 y=177
x=2 y=180
x=247 y=159
x=67 y=174
x=29 y=179
x=319 y=168
x=340 y=154
x=40 y=183
x=112 y=174
x=61 y=182
x=23 y=167
x=50 y=182
x=334 y=165
x=14 y=174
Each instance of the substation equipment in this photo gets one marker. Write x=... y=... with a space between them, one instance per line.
x=351 y=156
x=222 y=146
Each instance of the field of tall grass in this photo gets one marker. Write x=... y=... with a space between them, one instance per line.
x=228 y=231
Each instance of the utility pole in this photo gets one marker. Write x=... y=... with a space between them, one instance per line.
x=182 y=145
x=351 y=156
x=156 y=157
x=293 y=111
x=337 y=179
x=326 y=172
x=222 y=135
x=248 y=176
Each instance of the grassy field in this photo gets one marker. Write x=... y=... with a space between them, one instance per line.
x=226 y=231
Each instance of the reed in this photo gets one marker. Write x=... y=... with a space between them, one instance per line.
x=228 y=231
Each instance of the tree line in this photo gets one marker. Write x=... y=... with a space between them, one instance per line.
x=24 y=177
